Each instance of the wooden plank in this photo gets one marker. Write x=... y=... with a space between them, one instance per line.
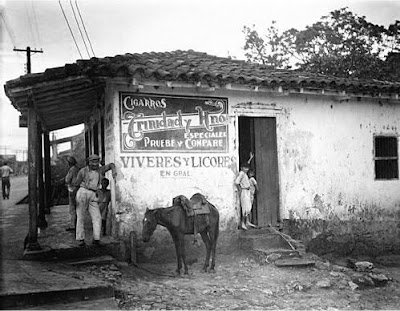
x=76 y=106
x=266 y=170
x=62 y=101
x=43 y=97
x=42 y=223
x=63 y=124
x=47 y=171
x=294 y=262
x=18 y=92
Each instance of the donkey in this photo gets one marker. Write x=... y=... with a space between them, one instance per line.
x=178 y=223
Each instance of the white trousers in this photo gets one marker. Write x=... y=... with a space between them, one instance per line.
x=87 y=200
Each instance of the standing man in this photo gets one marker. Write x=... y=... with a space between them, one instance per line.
x=89 y=179
x=5 y=180
x=70 y=181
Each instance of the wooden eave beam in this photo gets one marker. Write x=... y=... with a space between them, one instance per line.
x=48 y=85
x=60 y=125
x=72 y=117
x=21 y=101
x=80 y=106
x=66 y=99
x=67 y=93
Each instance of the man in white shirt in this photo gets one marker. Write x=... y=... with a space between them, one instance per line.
x=89 y=179
x=5 y=180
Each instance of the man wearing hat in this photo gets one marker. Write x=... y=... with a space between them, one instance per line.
x=89 y=179
x=70 y=181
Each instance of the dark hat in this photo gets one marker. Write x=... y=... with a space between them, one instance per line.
x=94 y=157
x=71 y=159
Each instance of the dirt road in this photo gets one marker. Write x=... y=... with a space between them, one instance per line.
x=243 y=284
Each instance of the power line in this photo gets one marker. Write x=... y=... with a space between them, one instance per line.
x=73 y=37
x=9 y=30
x=30 y=24
x=83 y=24
x=76 y=20
x=36 y=23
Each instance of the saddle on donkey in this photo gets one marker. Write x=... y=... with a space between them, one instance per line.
x=197 y=208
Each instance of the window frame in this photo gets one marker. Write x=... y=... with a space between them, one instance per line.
x=386 y=158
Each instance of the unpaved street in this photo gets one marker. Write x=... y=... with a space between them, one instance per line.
x=243 y=284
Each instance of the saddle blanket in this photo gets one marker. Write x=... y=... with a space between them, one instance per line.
x=199 y=209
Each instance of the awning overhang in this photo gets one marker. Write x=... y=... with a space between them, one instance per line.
x=59 y=103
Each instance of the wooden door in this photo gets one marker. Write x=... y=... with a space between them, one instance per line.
x=266 y=164
x=258 y=134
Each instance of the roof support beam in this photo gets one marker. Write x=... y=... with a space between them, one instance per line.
x=33 y=244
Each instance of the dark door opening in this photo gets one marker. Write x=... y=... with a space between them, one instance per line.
x=258 y=135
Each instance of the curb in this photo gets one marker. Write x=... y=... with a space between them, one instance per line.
x=18 y=301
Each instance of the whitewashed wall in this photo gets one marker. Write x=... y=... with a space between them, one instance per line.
x=325 y=156
x=326 y=152
x=141 y=186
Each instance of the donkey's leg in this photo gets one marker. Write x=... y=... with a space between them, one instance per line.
x=181 y=242
x=213 y=237
x=207 y=243
x=178 y=254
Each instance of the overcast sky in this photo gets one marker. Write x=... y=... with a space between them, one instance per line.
x=135 y=26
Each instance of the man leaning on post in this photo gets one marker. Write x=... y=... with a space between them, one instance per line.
x=89 y=179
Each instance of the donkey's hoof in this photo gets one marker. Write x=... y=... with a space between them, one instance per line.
x=211 y=270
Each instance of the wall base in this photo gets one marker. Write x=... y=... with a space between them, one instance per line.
x=346 y=237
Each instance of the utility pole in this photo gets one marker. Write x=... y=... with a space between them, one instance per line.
x=28 y=51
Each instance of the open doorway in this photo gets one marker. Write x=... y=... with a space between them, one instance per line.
x=258 y=135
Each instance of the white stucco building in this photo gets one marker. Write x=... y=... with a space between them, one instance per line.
x=181 y=122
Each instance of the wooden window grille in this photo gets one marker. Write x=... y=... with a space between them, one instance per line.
x=386 y=158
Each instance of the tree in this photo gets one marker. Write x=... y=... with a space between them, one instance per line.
x=341 y=44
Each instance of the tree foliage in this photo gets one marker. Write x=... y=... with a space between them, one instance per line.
x=341 y=44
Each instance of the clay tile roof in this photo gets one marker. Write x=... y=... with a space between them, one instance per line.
x=192 y=66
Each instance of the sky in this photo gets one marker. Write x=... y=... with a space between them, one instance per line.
x=135 y=26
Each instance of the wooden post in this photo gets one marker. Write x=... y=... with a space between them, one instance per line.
x=42 y=223
x=87 y=144
x=32 y=244
x=47 y=172
x=132 y=238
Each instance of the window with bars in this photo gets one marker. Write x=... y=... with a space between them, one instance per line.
x=386 y=158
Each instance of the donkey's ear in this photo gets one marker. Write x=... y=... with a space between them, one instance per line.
x=147 y=209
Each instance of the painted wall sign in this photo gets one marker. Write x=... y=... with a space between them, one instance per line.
x=167 y=123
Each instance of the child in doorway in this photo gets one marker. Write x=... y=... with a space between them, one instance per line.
x=104 y=200
x=253 y=186
x=242 y=182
